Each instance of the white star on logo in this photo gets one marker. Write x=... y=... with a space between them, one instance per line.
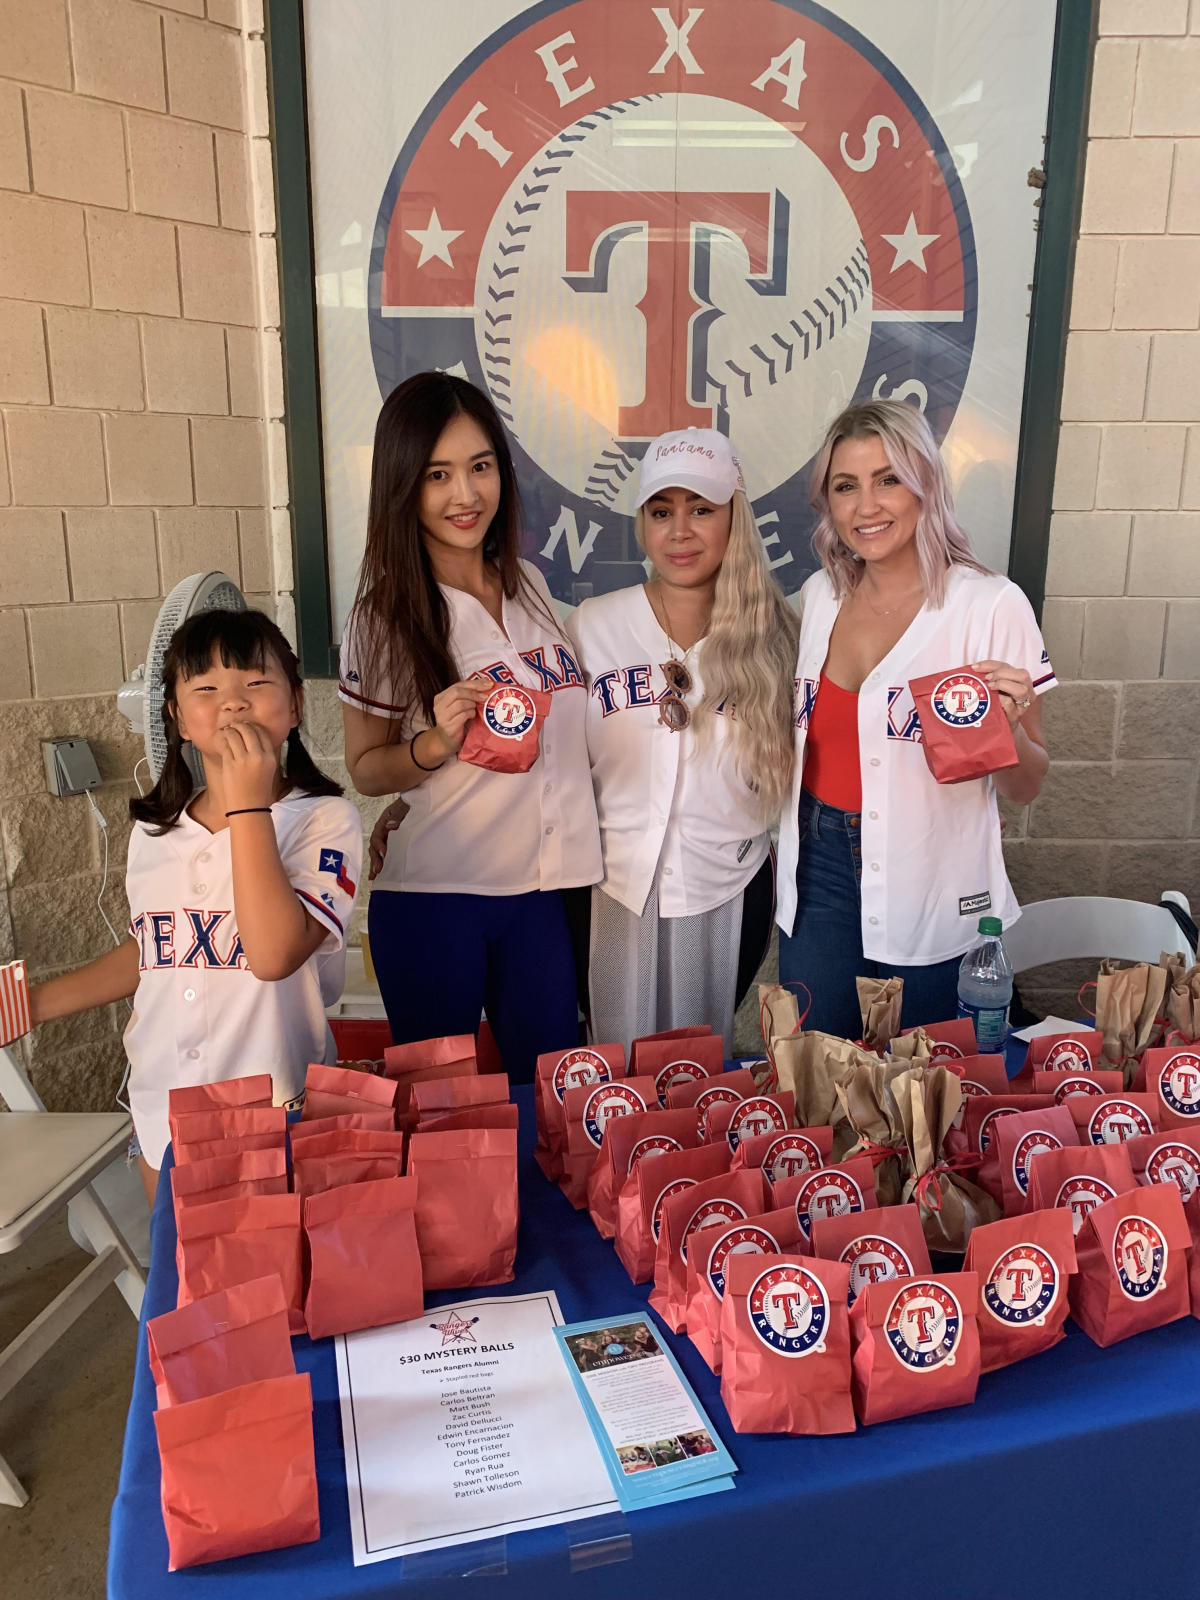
x=435 y=241
x=910 y=245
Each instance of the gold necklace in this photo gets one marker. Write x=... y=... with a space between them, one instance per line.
x=673 y=710
x=886 y=611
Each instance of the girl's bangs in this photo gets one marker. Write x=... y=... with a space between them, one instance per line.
x=244 y=640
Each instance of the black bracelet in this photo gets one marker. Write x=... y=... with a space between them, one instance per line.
x=245 y=811
x=412 y=753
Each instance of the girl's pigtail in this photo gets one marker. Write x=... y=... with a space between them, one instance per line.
x=175 y=787
x=301 y=770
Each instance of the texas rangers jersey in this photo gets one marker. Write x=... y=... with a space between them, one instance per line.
x=931 y=858
x=470 y=830
x=670 y=805
x=200 y=1015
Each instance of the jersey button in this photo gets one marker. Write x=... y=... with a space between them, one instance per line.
x=193 y=1055
x=668 y=872
x=549 y=789
x=549 y=831
x=199 y=888
x=874 y=816
x=874 y=866
x=189 y=994
x=203 y=856
x=874 y=761
x=874 y=921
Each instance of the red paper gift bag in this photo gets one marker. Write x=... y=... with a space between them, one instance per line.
x=467 y=1211
x=756 y=1114
x=438 y=1095
x=204 y=1134
x=635 y=1068
x=916 y=1345
x=348 y=1121
x=499 y=1116
x=785 y=1155
x=769 y=1233
x=238 y=1471
x=1191 y=1211
x=642 y=1201
x=674 y=1061
x=557 y=1072
x=587 y=1112
x=1172 y=1076
x=1114 y=1118
x=1078 y=1178
x=505 y=731
x=627 y=1141
x=785 y=1345
x=728 y=1089
x=361 y=1039
x=1167 y=1158
x=964 y=731
x=978 y=1075
x=1060 y=1086
x=449 y=1056
x=889 y=1243
x=832 y=1191
x=221 y=1341
x=229 y=1177
x=1132 y=1258
x=364 y=1265
x=1018 y=1140
x=729 y=1197
x=232 y=1241
x=230 y=1094
x=348 y=1155
x=1024 y=1265
x=979 y=1128
x=1078 y=1050
x=950 y=1041
x=333 y=1091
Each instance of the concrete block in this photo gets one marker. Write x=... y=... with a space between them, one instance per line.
x=204 y=72
x=1143 y=17
x=197 y=540
x=1127 y=184
x=1049 y=869
x=36 y=46
x=46 y=837
x=15 y=681
x=1105 y=377
x=323 y=718
x=185 y=366
x=1089 y=551
x=42 y=252
x=1168 y=87
x=33 y=558
x=137 y=623
x=277 y=465
x=1165 y=554
x=95 y=359
x=1080 y=721
x=1158 y=284
x=268 y=283
x=262 y=158
x=1173 y=394
x=133 y=263
x=1127 y=800
x=258 y=108
x=117 y=49
x=172 y=166
x=217 y=270
x=76 y=650
x=1141 y=466
x=57 y=924
x=1114 y=71
x=1062 y=629
x=78 y=148
x=1075 y=474
x=149 y=461
x=1095 y=284
x=227 y=12
x=56 y=458
x=25 y=723
x=113 y=553
x=1140 y=871
x=233 y=180
x=23 y=375
x=1181 y=658
x=1123 y=638
x=272 y=352
x=14 y=154
x=229 y=461
x=1184 y=213
x=1190 y=497
x=245 y=388
x=254 y=543
x=1158 y=720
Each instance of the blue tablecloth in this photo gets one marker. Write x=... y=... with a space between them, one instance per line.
x=1070 y=1476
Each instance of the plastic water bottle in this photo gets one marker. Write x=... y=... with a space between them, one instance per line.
x=985 y=986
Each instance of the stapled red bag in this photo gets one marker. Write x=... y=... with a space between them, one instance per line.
x=1076 y=1051
x=964 y=731
x=785 y=1155
x=230 y=1094
x=889 y=1243
x=1078 y=1178
x=1132 y=1257
x=364 y=1266
x=916 y=1345
x=558 y=1071
x=674 y=1061
x=756 y=1114
x=652 y=1181
x=628 y=1140
x=698 y=1032
x=1060 y=1086
x=1172 y=1076
x=333 y=1091
x=229 y=1177
x=587 y=1112
x=1019 y=1140
x=832 y=1191
x=785 y=1345
x=467 y=1209
x=233 y=1241
x=449 y=1056
x=728 y=1197
x=439 y=1095
x=1114 y=1118
x=359 y=1121
x=505 y=731
x=220 y=1341
x=769 y=1233
x=1167 y=1158
x=348 y=1155
x=238 y=1471
x=1024 y=1265
x=501 y=1116
x=204 y=1134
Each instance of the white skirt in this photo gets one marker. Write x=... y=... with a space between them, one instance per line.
x=648 y=973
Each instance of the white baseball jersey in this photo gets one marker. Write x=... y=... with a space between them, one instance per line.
x=667 y=802
x=931 y=858
x=200 y=1015
x=471 y=830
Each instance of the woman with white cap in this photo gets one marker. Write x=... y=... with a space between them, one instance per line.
x=689 y=729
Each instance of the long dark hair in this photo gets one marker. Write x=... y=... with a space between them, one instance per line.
x=401 y=613
x=245 y=640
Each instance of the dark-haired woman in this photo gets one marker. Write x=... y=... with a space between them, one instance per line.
x=239 y=895
x=466 y=916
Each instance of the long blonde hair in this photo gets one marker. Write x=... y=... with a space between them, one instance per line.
x=914 y=457
x=750 y=662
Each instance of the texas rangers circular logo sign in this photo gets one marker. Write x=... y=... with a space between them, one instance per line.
x=985 y=1127
x=1068 y=1055
x=1035 y=1140
x=713 y=1097
x=509 y=712
x=970 y=1088
x=605 y=1101
x=961 y=700
x=871 y=1259
x=942 y=1050
x=1022 y=1286
x=924 y=1326
x=562 y=228
x=1179 y=1083
x=1082 y=1194
x=743 y=1239
x=710 y=1214
x=789 y=1156
x=789 y=1310
x=1114 y=1121
x=1076 y=1083
x=828 y=1193
x=653 y=1144
x=668 y=1192
x=1139 y=1255
x=678 y=1072
x=1175 y=1163
x=756 y=1115
x=577 y=1069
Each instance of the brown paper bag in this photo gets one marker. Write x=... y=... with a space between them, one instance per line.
x=1181 y=1007
x=950 y=1204
x=873 y=1112
x=812 y=1065
x=879 y=1000
x=1129 y=1002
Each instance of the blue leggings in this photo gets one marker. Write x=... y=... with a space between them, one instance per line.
x=444 y=959
x=824 y=950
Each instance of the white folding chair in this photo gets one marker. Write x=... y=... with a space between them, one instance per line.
x=48 y=1161
x=1091 y=927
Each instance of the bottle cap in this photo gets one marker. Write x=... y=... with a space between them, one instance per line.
x=991 y=926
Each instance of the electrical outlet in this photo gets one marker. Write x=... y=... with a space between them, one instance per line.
x=70 y=766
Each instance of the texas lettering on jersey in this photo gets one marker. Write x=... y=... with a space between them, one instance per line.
x=627 y=688
x=155 y=932
x=564 y=674
x=901 y=724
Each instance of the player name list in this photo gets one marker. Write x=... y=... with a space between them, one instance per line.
x=475 y=1433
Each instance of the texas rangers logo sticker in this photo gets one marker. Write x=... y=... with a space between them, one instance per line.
x=757 y=1114
x=1115 y=1120
x=789 y=1156
x=509 y=712
x=1175 y=1163
x=1036 y=1139
x=961 y=700
x=789 y=1310
x=829 y=1192
x=743 y=1239
x=1068 y=1055
x=577 y=1069
x=1178 y=1083
x=605 y=1101
x=985 y=1127
x=710 y=1214
x=540 y=236
x=668 y=1192
x=942 y=1050
x=716 y=1096
x=872 y=1258
x=1139 y=1256
x=678 y=1072
x=1022 y=1286
x=1081 y=1195
x=653 y=1144
x=924 y=1326
x=1076 y=1083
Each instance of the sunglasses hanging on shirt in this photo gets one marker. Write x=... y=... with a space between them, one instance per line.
x=673 y=710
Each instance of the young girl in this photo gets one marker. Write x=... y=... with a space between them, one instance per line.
x=239 y=894
x=690 y=734
x=466 y=914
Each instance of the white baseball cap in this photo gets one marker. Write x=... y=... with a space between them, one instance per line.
x=699 y=459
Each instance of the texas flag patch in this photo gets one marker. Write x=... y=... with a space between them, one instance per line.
x=334 y=861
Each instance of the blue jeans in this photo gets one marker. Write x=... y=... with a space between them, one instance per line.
x=824 y=951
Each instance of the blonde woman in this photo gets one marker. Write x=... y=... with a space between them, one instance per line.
x=689 y=729
x=881 y=869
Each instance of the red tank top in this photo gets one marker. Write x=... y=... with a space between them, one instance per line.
x=831 y=766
